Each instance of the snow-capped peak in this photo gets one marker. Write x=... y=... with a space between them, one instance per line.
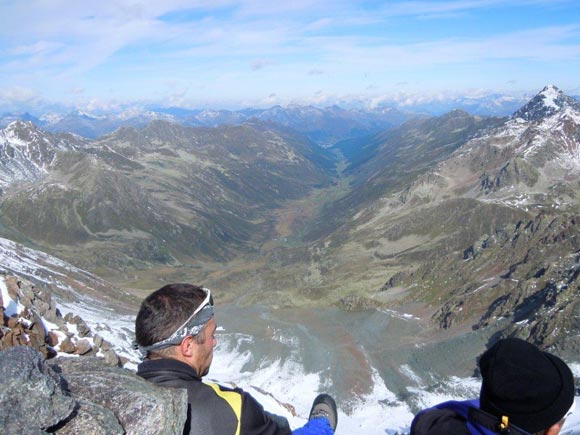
x=548 y=102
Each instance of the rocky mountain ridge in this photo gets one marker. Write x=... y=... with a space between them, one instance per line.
x=45 y=294
x=162 y=192
x=490 y=232
x=263 y=208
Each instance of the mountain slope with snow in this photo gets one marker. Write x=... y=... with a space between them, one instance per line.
x=489 y=232
x=27 y=153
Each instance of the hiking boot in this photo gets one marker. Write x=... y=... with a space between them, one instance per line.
x=324 y=406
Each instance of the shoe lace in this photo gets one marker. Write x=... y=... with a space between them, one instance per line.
x=320 y=412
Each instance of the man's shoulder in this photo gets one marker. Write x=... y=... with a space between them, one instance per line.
x=223 y=388
x=439 y=422
x=165 y=364
x=444 y=419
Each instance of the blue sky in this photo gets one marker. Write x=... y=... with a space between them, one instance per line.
x=237 y=53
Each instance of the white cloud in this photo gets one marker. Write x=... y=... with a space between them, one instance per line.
x=16 y=95
x=138 y=44
x=35 y=48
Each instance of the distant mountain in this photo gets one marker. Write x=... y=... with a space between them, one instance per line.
x=485 y=105
x=8 y=118
x=550 y=101
x=152 y=195
x=328 y=126
x=323 y=126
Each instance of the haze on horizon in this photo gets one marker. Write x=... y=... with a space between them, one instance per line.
x=104 y=55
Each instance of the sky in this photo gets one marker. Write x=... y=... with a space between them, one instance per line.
x=106 y=54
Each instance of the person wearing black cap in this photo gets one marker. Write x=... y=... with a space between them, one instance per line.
x=523 y=391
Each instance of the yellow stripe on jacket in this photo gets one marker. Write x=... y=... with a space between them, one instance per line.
x=233 y=399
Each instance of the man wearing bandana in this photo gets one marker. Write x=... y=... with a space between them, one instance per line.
x=175 y=332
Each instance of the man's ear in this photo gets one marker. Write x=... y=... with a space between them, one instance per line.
x=186 y=346
x=554 y=429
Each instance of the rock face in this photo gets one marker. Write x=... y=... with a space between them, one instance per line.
x=135 y=405
x=82 y=396
x=30 y=388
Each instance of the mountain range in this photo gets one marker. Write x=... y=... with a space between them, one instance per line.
x=324 y=126
x=464 y=220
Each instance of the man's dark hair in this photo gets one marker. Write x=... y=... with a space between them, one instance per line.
x=165 y=310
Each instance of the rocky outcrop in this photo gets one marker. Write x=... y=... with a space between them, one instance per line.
x=357 y=303
x=29 y=317
x=527 y=273
x=82 y=395
x=510 y=174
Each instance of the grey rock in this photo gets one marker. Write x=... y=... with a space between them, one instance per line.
x=105 y=345
x=27 y=292
x=31 y=396
x=140 y=407
x=92 y=419
x=67 y=346
x=112 y=358
x=37 y=326
x=98 y=340
x=41 y=306
x=83 y=329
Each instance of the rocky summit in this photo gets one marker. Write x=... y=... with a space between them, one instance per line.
x=466 y=221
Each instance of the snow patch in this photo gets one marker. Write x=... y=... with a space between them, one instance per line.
x=11 y=307
x=549 y=95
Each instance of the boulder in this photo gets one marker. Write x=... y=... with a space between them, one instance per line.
x=67 y=346
x=82 y=395
x=31 y=396
x=13 y=284
x=12 y=322
x=98 y=340
x=139 y=406
x=92 y=419
x=83 y=347
x=83 y=329
x=52 y=338
x=112 y=358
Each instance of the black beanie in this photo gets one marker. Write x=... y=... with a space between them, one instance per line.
x=533 y=388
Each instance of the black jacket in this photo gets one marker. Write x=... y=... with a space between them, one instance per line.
x=459 y=418
x=439 y=422
x=213 y=409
